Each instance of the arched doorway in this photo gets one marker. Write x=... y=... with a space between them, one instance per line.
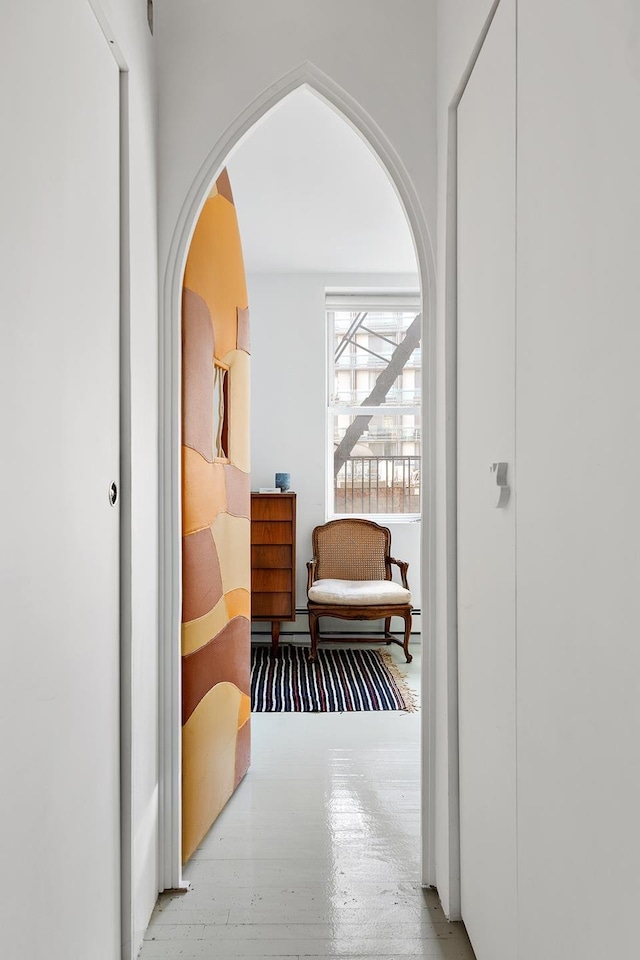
x=322 y=86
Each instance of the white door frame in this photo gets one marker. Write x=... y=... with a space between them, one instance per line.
x=170 y=827
x=124 y=484
x=450 y=469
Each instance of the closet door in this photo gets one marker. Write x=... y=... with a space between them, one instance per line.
x=486 y=532
x=59 y=547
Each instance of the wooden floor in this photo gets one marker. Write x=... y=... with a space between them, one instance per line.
x=317 y=855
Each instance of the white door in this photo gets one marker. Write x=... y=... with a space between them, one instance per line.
x=59 y=543
x=486 y=533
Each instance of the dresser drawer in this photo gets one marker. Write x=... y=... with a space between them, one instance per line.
x=271 y=581
x=277 y=507
x=272 y=605
x=271 y=531
x=271 y=556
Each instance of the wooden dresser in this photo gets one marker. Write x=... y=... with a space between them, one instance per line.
x=273 y=559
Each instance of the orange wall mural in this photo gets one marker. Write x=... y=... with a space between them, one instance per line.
x=216 y=616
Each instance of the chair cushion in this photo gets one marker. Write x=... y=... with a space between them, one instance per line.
x=362 y=593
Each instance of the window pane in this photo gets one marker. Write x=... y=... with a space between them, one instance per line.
x=381 y=470
x=363 y=343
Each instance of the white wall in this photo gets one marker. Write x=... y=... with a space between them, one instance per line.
x=126 y=20
x=289 y=406
x=577 y=422
x=214 y=60
x=313 y=198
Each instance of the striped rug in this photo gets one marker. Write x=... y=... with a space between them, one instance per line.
x=341 y=679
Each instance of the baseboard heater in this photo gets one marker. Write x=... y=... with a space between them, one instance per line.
x=302 y=612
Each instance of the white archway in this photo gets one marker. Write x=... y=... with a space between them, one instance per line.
x=170 y=866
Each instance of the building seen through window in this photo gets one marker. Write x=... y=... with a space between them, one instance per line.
x=374 y=405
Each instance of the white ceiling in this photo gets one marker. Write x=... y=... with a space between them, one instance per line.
x=311 y=197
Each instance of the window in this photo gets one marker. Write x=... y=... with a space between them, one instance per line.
x=374 y=405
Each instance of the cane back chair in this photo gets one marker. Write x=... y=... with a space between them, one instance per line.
x=350 y=578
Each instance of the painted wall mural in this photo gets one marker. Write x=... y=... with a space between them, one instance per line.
x=216 y=614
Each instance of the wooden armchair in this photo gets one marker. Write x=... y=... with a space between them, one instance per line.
x=350 y=577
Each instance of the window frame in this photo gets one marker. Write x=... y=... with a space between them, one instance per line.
x=397 y=301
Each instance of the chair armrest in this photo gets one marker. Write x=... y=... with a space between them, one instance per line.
x=311 y=573
x=403 y=566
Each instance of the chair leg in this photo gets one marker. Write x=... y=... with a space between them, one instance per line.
x=407 y=634
x=313 y=633
x=387 y=628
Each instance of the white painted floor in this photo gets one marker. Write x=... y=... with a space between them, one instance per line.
x=317 y=854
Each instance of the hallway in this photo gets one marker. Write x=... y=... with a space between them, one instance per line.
x=318 y=853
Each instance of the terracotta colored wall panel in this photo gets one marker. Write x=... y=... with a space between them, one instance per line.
x=216 y=629
x=196 y=633
x=239 y=603
x=197 y=380
x=238 y=491
x=201 y=578
x=233 y=541
x=215 y=270
x=204 y=494
x=224 y=658
x=209 y=760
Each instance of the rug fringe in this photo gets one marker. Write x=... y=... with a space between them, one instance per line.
x=408 y=695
